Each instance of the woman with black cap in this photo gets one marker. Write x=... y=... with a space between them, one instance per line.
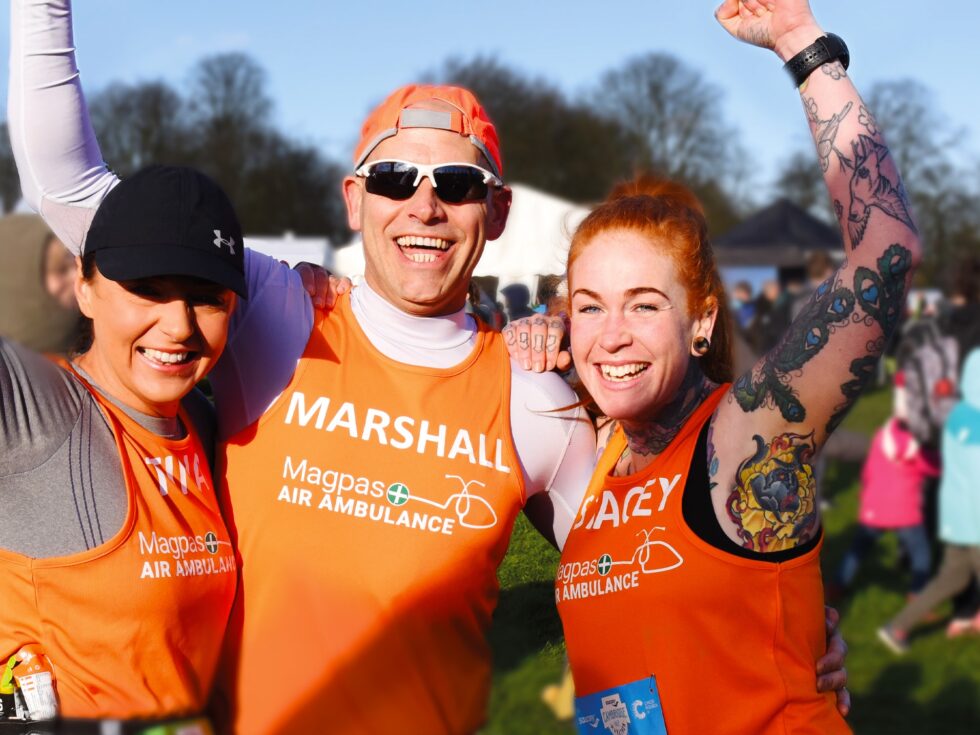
x=116 y=571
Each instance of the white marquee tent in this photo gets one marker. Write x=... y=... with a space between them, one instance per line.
x=535 y=242
x=294 y=249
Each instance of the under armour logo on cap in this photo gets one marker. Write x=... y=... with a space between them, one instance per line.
x=219 y=241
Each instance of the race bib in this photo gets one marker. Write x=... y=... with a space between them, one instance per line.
x=630 y=709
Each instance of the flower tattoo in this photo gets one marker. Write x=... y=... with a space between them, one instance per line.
x=773 y=502
x=868 y=120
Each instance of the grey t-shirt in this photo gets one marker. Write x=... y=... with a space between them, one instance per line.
x=61 y=483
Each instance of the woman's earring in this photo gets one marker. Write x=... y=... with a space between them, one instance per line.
x=701 y=346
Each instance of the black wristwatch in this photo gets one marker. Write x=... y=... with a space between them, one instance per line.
x=823 y=50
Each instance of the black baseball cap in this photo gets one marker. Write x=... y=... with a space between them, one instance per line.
x=168 y=221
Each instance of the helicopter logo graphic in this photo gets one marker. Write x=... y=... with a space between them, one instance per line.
x=643 y=554
x=471 y=510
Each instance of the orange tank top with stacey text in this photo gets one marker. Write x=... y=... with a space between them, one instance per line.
x=666 y=633
x=372 y=504
x=133 y=627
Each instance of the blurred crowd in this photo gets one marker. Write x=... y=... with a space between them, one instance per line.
x=498 y=307
x=762 y=319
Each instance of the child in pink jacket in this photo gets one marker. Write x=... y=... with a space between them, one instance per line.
x=892 y=482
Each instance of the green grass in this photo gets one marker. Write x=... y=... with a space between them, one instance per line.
x=526 y=637
x=933 y=690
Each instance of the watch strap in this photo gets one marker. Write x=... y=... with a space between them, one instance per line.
x=822 y=51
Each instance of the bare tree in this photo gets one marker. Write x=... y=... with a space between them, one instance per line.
x=800 y=179
x=140 y=124
x=223 y=126
x=920 y=136
x=549 y=141
x=927 y=149
x=673 y=116
x=292 y=186
x=230 y=87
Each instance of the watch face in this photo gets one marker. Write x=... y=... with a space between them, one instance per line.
x=838 y=49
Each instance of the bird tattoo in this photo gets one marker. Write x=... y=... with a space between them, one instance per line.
x=870 y=188
x=825 y=132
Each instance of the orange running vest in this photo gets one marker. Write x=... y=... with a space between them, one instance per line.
x=372 y=504
x=133 y=628
x=729 y=644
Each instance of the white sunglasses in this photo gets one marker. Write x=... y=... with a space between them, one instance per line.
x=453 y=182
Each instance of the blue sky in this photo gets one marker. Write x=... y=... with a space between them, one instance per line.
x=328 y=62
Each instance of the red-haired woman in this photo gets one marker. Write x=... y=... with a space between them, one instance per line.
x=689 y=587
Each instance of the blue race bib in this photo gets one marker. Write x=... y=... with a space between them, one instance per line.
x=630 y=709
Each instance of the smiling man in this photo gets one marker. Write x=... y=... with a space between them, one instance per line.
x=396 y=460
x=377 y=455
x=421 y=240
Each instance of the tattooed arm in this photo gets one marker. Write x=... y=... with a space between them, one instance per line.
x=780 y=413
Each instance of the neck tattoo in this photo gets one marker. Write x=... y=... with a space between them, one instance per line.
x=647 y=439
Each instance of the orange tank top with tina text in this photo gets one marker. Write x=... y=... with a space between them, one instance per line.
x=133 y=627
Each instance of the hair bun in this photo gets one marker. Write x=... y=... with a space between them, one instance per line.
x=670 y=192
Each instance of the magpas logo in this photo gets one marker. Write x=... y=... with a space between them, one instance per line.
x=211 y=542
x=472 y=511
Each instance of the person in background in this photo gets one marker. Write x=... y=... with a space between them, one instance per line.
x=517 y=301
x=771 y=318
x=959 y=513
x=484 y=308
x=744 y=348
x=892 y=482
x=929 y=358
x=743 y=305
x=962 y=321
x=819 y=267
x=37 y=286
x=549 y=288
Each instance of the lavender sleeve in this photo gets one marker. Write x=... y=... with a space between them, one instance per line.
x=269 y=331
x=61 y=171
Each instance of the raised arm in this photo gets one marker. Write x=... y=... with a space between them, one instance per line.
x=781 y=412
x=62 y=173
x=64 y=177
